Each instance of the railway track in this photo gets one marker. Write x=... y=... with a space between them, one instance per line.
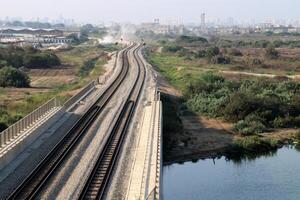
x=32 y=185
x=100 y=175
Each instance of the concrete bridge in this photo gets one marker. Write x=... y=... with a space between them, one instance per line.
x=36 y=132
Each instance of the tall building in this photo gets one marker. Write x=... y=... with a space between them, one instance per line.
x=156 y=21
x=203 y=20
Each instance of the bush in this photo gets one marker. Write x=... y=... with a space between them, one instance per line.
x=6 y=119
x=220 y=60
x=41 y=60
x=255 y=144
x=87 y=67
x=271 y=53
x=287 y=122
x=251 y=125
x=172 y=49
x=11 y=77
x=297 y=135
x=235 y=52
x=200 y=54
x=212 y=51
x=191 y=39
x=254 y=61
x=262 y=44
x=29 y=57
x=255 y=105
x=3 y=126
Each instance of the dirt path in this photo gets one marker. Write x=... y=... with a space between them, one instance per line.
x=294 y=77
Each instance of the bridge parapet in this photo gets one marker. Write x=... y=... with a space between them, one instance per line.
x=20 y=126
x=145 y=178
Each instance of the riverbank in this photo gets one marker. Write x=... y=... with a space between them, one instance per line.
x=190 y=137
x=202 y=138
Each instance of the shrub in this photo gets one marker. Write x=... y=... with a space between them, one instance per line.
x=255 y=144
x=235 y=52
x=261 y=44
x=251 y=125
x=87 y=67
x=254 y=61
x=191 y=39
x=3 y=126
x=249 y=143
x=212 y=51
x=220 y=60
x=11 y=77
x=200 y=54
x=6 y=119
x=172 y=49
x=41 y=60
x=297 y=135
x=271 y=53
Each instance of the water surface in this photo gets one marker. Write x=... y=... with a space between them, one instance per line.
x=275 y=176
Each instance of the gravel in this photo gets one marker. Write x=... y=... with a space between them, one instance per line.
x=118 y=185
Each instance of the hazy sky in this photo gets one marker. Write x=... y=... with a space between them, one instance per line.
x=145 y=10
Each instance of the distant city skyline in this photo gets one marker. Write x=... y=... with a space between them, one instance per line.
x=137 y=11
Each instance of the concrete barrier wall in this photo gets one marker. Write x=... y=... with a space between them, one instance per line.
x=19 y=127
x=159 y=152
x=18 y=145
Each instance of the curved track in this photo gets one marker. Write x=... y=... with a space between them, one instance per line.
x=100 y=175
x=32 y=185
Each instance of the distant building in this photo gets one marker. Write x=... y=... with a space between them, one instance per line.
x=33 y=37
x=203 y=23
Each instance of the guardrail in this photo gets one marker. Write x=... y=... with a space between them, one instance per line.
x=159 y=151
x=20 y=126
x=77 y=97
x=155 y=194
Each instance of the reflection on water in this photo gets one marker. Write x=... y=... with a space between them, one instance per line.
x=274 y=175
x=239 y=159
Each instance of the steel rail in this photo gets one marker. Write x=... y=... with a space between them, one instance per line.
x=100 y=175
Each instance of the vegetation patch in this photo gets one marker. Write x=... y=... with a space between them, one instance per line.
x=11 y=77
x=28 y=57
x=253 y=144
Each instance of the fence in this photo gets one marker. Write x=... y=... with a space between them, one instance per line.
x=18 y=128
x=77 y=97
x=155 y=193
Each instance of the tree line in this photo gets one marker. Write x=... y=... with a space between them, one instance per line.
x=13 y=58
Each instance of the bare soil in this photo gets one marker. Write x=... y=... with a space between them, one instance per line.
x=49 y=78
x=202 y=138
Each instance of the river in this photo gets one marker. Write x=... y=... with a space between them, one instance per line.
x=275 y=176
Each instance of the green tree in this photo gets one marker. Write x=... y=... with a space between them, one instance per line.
x=11 y=77
x=212 y=51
